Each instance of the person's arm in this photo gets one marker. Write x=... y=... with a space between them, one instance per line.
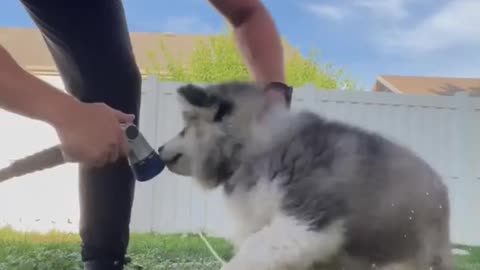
x=259 y=44
x=257 y=38
x=24 y=94
x=89 y=132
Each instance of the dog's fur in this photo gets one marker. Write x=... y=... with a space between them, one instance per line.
x=307 y=192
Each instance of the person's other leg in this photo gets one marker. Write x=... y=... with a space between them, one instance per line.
x=91 y=47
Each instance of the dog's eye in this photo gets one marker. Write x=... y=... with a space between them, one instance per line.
x=225 y=108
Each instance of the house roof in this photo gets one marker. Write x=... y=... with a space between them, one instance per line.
x=427 y=85
x=29 y=49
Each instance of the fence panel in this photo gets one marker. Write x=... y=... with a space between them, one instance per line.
x=440 y=129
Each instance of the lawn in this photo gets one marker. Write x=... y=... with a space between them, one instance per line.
x=59 y=251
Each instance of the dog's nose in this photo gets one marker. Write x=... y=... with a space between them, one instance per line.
x=160 y=149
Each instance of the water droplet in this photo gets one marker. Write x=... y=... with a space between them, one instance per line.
x=412 y=211
x=374 y=265
x=405 y=236
x=410 y=218
x=393 y=204
x=428 y=193
x=440 y=206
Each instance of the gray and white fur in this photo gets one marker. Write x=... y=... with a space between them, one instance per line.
x=307 y=192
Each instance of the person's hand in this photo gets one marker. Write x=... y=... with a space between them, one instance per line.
x=90 y=133
x=278 y=94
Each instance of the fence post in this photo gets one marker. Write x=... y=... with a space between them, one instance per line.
x=465 y=120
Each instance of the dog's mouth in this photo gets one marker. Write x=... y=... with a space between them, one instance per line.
x=225 y=170
x=173 y=160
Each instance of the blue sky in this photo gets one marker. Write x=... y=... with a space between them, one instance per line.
x=365 y=37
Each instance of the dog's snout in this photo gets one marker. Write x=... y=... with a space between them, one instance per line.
x=167 y=159
x=174 y=159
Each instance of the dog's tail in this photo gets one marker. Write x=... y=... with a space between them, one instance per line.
x=41 y=160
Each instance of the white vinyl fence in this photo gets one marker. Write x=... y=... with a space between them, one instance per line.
x=444 y=130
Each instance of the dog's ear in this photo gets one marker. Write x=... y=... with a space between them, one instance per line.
x=195 y=96
x=197 y=103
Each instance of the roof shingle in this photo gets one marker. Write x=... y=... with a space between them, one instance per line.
x=427 y=85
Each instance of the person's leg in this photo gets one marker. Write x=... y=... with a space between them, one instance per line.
x=91 y=47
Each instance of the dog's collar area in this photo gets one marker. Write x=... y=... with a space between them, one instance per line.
x=282 y=88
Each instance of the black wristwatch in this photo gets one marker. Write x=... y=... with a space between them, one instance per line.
x=283 y=88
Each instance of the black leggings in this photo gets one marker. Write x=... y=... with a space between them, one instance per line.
x=90 y=44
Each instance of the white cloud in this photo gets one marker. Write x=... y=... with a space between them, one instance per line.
x=326 y=11
x=409 y=26
x=455 y=24
x=387 y=9
x=426 y=37
x=392 y=9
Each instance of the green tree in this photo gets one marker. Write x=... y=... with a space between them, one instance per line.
x=219 y=60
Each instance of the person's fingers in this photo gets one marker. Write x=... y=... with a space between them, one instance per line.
x=113 y=153
x=123 y=145
x=123 y=117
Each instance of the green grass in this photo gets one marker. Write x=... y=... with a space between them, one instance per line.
x=470 y=262
x=60 y=251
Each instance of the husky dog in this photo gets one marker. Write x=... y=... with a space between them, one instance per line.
x=307 y=192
